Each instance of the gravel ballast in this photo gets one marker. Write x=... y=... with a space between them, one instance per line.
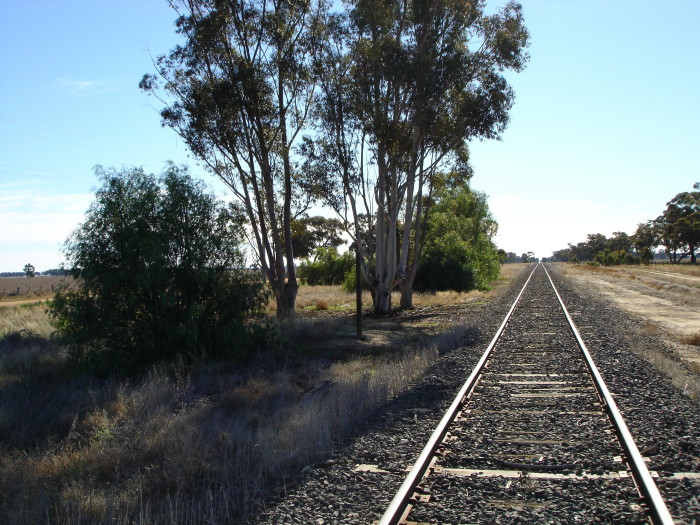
x=665 y=423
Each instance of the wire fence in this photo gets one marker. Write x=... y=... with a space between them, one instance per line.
x=33 y=286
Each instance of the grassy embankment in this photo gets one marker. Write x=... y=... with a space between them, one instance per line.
x=192 y=444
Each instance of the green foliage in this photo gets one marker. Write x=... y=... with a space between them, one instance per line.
x=328 y=267
x=645 y=239
x=606 y=251
x=615 y=258
x=679 y=226
x=29 y=270
x=350 y=282
x=502 y=256
x=564 y=255
x=458 y=254
x=310 y=233
x=160 y=275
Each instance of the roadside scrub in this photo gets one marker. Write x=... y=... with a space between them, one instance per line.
x=181 y=443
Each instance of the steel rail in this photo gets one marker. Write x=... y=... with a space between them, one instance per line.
x=396 y=508
x=659 y=513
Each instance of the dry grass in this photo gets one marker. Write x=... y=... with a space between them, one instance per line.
x=26 y=340
x=207 y=459
x=322 y=305
x=683 y=374
x=32 y=318
x=332 y=296
x=680 y=269
x=672 y=277
x=24 y=288
x=693 y=339
x=310 y=297
x=178 y=446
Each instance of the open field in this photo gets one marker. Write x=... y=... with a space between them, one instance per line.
x=192 y=444
x=656 y=275
x=30 y=289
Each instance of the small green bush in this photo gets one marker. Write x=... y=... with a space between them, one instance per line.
x=615 y=258
x=328 y=267
x=350 y=281
x=160 y=274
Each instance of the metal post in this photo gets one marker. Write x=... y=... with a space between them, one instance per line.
x=358 y=291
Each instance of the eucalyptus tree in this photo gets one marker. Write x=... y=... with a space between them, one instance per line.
x=238 y=92
x=679 y=226
x=408 y=84
x=645 y=239
x=29 y=270
x=311 y=233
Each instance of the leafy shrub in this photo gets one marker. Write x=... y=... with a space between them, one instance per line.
x=350 y=281
x=328 y=267
x=160 y=275
x=458 y=254
x=615 y=258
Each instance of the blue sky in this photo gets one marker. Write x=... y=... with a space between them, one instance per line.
x=603 y=133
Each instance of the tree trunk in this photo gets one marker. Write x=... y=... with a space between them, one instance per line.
x=285 y=299
x=382 y=298
x=406 y=288
x=406 y=283
x=385 y=255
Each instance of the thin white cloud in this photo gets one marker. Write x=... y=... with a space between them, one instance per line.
x=89 y=88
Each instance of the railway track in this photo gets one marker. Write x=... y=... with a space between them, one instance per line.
x=534 y=435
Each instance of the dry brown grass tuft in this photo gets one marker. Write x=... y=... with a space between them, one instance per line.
x=650 y=328
x=32 y=318
x=693 y=339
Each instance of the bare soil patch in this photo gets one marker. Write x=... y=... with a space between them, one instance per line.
x=667 y=297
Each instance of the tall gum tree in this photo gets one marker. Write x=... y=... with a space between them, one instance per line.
x=238 y=92
x=678 y=227
x=423 y=77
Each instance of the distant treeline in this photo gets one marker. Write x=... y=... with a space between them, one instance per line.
x=677 y=229
x=56 y=272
